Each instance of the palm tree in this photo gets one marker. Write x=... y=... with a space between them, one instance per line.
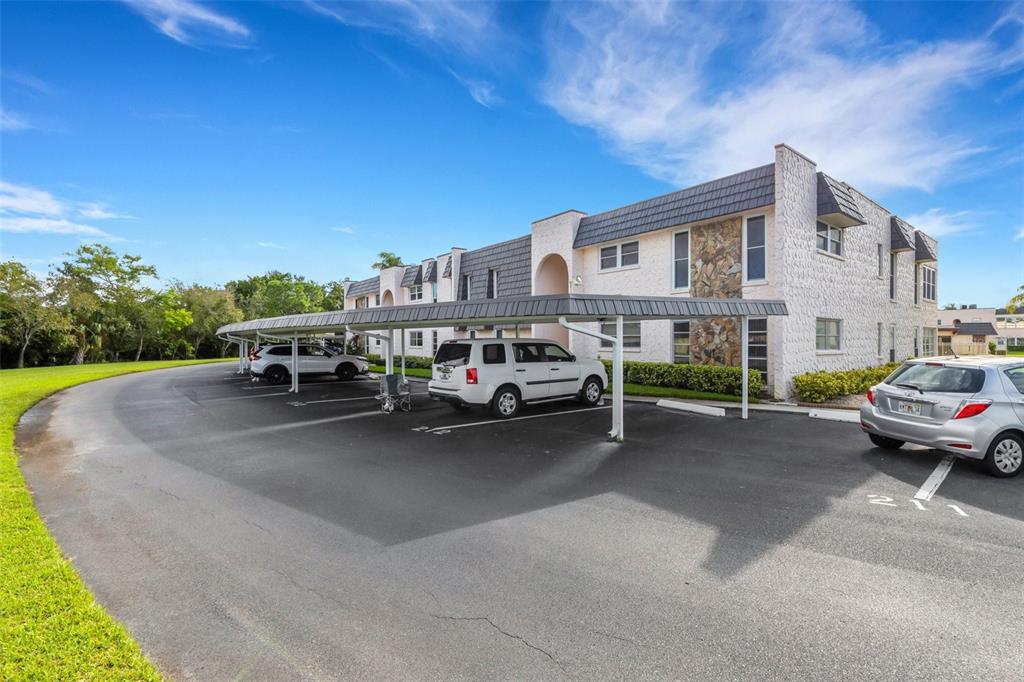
x=387 y=260
x=1017 y=302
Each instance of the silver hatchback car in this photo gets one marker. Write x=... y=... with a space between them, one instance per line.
x=972 y=406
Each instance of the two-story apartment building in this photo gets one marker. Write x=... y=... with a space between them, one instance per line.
x=859 y=282
x=976 y=326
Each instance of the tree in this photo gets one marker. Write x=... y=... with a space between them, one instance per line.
x=1017 y=301
x=102 y=294
x=949 y=306
x=276 y=293
x=334 y=296
x=387 y=260
x=209 y=308
x=24 y=308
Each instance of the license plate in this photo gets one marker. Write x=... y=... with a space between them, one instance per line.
x=913 y=409
x=443 y=373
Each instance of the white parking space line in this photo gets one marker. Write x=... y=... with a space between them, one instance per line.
x=300 y=403
x=446 y=429
x=935 y=480
x=836 y=415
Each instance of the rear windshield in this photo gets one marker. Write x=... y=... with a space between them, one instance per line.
x=938 y=378
x=454 y=354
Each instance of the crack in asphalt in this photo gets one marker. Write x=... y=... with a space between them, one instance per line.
x=510 y=635
x=311 y=590
x=253 y=523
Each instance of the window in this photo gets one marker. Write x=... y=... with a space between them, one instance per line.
x=492 y=284
x=827 y=334
x=527 y=352
x=681 y=260
x=464 y=288
x=554 y=353
x=494 y=354
x=830 y=239
x=754 y=269
x=757 y=346
x=280 y=350
x=928 y=288
x=630 y=334
x=892 y=343
x=917 y=343
x=681 y=342
x=879 y=339
x=1016 y=377
x=314 y=352
x=472 y=333
x=938 y=378
x=928 y=345
x=620 y=255
x=881 y=261
x=917 y=284
x=376 y=299
x=454 y=354
x=416 y=339
x=416 y=292
x=433 y=291
x=433 y=341
x=892 y=275
x=499 y=334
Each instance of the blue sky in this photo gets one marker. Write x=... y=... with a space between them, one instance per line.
x=219 y=140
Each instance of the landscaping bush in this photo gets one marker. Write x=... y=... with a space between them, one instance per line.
x=707 y=378
x=820 y=387
x=411 y=361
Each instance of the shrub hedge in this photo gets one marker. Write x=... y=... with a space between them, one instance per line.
x=707 y=378
x=411 y=361
x=819 y=387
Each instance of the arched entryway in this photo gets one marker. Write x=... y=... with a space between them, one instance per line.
x=388 y=298
x=552 y=277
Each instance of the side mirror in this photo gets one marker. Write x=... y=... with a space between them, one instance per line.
x=572 y=358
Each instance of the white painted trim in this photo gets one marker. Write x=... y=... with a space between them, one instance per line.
x=689 y=261
x=743 y=250
x=618 y=254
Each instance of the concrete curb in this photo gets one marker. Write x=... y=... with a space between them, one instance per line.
x=692 y=407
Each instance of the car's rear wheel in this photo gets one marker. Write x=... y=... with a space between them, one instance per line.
x=1005 y=457
x=884 y=442
x=505 y=403
x=346 y=371
x=590 y=394
x=277 y=375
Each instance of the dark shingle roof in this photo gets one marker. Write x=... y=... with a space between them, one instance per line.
x=836 y=204
x=363 y=287
x=522 y=309
x=512 y=261
x=740 y=192
x=901 y=235
x=980 y=328
x=412 y=276
x=448 y=267
x=431 y=275
x=925 y=248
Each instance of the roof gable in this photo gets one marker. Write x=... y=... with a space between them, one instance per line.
x=413 y=276
x=925 y=248
x=364 y=287
x=836 y=204
x=901 y=235
x=512 y=261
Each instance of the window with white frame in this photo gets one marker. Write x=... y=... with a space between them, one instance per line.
x=376 y=299
x=416 y=292
x=416 y=339
x=755 y=266
x=828 y=334
x=681 y=342
x=830 y=239
x=681 y=260
x=917 y=342
x=433 y=341
x=893 y=262
x=630 y=335
x=620 y=255
x=464 y=288
x=928 y=284
x=917 y=284
x=757 y=346
x=881 y=261
x=892 y=343
x=880 y=334
x=492 y=283
x=928 y=341
x=433 y=291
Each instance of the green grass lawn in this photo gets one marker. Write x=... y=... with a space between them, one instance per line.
x=51 y=628
x=668 y=392
x=422 y=373
x=1015 y=352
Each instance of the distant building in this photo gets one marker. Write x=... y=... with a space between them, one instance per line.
x=1003 y=328
x=859 y=282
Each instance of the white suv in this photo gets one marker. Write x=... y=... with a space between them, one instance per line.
x=505 y=373
x=274 y=362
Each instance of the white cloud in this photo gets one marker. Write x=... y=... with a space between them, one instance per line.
x=97 y=210
x=191 y=23
x=36 y=85
x=269 y=245
x=483 y=92
x=346 y=230
x=466 y=26
x=25 y=209
x=11 y=122
x=1020 y=234
x=938 y=222
x=683 y=91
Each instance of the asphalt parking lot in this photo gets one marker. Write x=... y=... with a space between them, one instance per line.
x=244 y=532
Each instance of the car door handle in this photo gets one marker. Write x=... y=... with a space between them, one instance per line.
x=555 y=369
x=520 y=370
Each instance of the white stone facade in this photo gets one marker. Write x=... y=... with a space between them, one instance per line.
x=852 y=288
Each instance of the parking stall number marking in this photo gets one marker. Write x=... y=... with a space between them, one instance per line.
x=886 y=501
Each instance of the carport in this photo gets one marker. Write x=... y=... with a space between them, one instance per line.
x=568 y=310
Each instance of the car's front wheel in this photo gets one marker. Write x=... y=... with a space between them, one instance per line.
x=590 y=394
x=346 y=371
x=277 y=375
x=1005 y=457
x=886 y=443
x=505 y=403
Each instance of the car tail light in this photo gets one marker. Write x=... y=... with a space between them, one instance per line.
x=471 y=375
x=871 y=396
x=961 y=446
x=972 y=409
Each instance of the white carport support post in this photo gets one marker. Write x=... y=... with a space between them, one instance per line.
x=401 y=349
x=745 y=362
x=295 y=364
x=243 y=356
x=388 y=339
x=618 y=431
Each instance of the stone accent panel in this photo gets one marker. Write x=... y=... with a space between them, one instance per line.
x=716 y=271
